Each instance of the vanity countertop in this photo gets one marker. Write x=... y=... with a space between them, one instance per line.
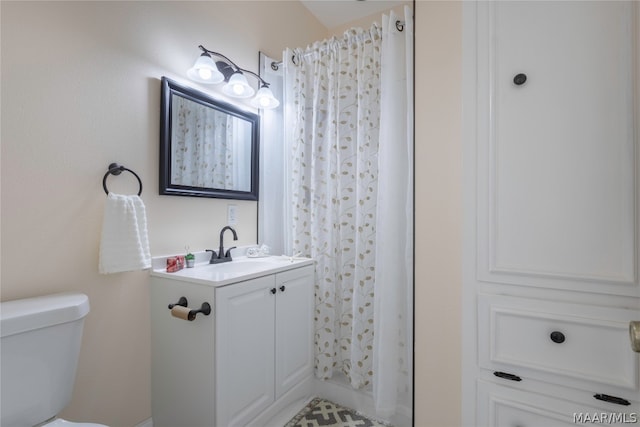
x=240 y=269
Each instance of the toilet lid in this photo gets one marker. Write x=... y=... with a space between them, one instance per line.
x=59 y=422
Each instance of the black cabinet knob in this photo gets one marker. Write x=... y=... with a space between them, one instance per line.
x=557 y=337
x=282 y=288
x=273 y=290
x=520 y=79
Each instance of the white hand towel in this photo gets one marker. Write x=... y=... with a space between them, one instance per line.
x=124 y=245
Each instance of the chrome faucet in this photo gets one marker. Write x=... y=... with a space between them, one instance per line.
x=217 y=258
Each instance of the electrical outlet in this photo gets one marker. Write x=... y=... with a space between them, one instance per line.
x=232 y=214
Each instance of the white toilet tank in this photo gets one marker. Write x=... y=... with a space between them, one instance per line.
x=40 y=345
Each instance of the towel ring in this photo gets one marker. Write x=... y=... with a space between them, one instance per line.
x=116 y=169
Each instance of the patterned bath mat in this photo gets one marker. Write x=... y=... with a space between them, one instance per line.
x=321 y=412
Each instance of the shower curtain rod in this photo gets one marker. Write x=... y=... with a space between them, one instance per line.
x=275 y=65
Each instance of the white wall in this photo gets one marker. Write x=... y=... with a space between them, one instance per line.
x=81 y=89
x=438 y=250
x=367 y=21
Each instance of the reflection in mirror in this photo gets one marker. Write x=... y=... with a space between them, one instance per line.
x=208 y=148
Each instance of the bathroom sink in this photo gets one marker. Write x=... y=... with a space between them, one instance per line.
x=241 y=268
x=243 y=265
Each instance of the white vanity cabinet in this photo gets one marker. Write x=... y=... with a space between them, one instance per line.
x=552 y=213
x=241 y=365
x=263 y=342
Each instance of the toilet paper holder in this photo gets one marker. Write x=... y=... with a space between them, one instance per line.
x=205 y=308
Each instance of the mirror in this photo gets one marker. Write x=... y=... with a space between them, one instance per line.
x=208 y=148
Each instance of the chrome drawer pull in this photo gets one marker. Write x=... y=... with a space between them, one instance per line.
x=612 y=399
x=557 y=337
x=507 y=376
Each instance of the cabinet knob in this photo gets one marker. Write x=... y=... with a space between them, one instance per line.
x=557 y=337
x=520 y=79
x=282 y=288
x=273 y=290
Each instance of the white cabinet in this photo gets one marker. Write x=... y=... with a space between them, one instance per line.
x=240 y=365
x=585 y=346
x=552 y=212
x=503 y=406
x=263 y=342
x=245 y=357
x=294 y=330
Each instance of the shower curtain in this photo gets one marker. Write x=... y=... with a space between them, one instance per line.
x=349 y=193
x=393 y=302
x=334 y=172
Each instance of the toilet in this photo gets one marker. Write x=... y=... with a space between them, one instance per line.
x=40 y=344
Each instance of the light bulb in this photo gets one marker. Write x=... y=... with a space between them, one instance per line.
x=238 y=89
x=204 y=73
x=264 y=99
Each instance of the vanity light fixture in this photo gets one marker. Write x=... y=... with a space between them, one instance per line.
x=205 y=70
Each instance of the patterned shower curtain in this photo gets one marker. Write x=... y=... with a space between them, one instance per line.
x=333 y=119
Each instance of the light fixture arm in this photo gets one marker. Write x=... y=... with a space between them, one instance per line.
x=230 y=62
x=207 y=71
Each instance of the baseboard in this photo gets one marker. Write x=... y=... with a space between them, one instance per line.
x=146 y=423
x=291 y=402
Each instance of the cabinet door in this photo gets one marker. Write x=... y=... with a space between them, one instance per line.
x=557 y=155
x=294 y=328
x=244 y=350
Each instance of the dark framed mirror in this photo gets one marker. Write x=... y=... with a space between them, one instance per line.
x=208 y=148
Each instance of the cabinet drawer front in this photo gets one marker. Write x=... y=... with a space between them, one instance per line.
x=551 y=338
x=506 y=407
